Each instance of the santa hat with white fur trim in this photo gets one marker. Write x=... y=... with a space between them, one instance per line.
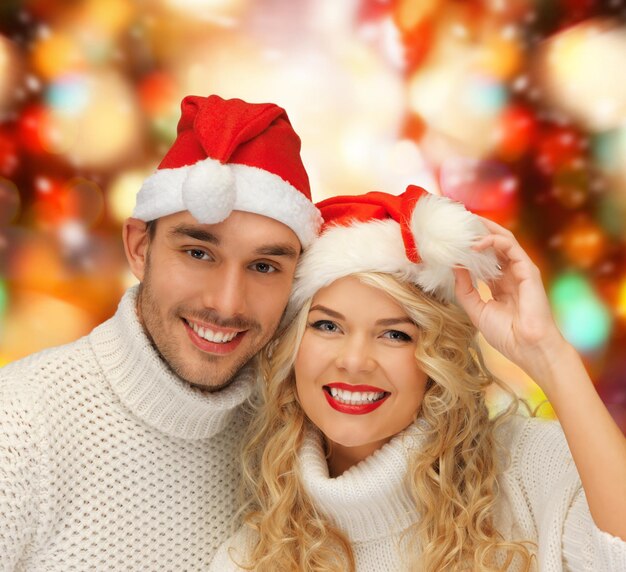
x=416 y=236
x=232 y=155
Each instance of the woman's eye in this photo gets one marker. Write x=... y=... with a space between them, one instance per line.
x=264 y=267
x=325 y=326
x=397 y=335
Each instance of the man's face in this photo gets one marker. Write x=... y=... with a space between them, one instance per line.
x=212 y=295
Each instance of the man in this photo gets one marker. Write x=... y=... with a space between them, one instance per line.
x=118 y=451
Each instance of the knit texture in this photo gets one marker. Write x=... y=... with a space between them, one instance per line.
x=108 y=461
x=542 y=500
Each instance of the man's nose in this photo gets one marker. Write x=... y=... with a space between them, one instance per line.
x=226 y=294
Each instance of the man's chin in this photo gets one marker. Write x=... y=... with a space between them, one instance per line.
x=210 y=387
x=208 y=382
x=216 y=382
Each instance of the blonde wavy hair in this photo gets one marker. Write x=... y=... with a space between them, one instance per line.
x=453 y=479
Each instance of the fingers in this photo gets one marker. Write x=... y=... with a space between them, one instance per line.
x=494 y=227
x=507 y=242
x=520 y=283
x=508 y=251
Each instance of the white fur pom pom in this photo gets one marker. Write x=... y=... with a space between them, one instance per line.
x=444 y=232
x=209 y=191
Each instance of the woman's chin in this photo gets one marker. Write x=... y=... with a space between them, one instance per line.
x=350 y=441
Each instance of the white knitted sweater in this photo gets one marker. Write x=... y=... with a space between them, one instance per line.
x=542 y=500
x=108 y=461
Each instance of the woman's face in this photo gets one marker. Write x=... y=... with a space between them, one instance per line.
x=356 y=374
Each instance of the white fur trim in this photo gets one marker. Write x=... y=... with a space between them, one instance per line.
x=444 y=232
x=343 y=250
x=168 y=191
x=264 y=193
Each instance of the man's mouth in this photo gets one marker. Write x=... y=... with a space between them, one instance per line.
x=354 y=399
x=213 y=340
x=215 y=336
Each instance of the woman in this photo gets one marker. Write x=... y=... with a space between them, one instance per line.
x=374 y=449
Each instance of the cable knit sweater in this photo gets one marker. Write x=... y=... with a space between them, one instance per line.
x=541 y=500
x=108 y=461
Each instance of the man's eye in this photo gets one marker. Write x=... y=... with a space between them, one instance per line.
x=198 y=254
x=324 y=326
x=263 y=267
x=397 y=336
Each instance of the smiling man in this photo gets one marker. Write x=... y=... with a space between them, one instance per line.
x=118 y=451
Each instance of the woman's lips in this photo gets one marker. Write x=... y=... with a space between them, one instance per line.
x=354 y=399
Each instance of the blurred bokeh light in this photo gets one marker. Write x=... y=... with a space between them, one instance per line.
x=516 y=108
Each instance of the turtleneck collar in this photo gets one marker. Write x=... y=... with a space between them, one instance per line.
x=146 y=385
x=371 y=499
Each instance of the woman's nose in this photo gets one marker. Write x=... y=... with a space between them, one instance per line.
x=355 y=355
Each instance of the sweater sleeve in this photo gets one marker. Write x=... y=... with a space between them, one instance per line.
x=566 y=532
x=585 y=546
x=235 y=550
x=18 y=470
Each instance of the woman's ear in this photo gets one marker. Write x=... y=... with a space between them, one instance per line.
x=136 y=241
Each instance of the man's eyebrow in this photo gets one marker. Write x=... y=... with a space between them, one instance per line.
x=183 y=230
x=277 y=250
x=328 y=311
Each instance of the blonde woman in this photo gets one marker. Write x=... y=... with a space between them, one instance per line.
x=374 y=450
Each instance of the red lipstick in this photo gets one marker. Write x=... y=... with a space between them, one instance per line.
x=354 y=409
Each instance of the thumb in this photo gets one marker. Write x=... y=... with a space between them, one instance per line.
x=467 y=295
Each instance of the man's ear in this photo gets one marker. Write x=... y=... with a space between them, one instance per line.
x=136 y=241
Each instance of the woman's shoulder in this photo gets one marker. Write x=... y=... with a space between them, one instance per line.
x=536 y=448
x=519 y=430
x=234 y=552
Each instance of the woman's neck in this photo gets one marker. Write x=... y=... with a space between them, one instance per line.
x=371 y=500
x=342 y=458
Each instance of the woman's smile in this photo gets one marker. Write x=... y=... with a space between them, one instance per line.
x=354 y=399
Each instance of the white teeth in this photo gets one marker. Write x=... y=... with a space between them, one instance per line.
x=211 y=336
x=355 y=397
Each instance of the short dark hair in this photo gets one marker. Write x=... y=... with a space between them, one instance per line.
x=151 y=228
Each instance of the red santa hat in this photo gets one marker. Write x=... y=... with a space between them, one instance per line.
x=232 y=155
x=416 y=236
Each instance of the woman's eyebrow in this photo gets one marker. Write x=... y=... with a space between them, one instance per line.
x=394 y=321
x=328 y=311
x=381 y=322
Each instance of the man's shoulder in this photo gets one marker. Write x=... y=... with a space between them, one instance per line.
x=75 y=354
x=30 y=371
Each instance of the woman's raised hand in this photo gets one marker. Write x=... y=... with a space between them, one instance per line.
x=517 y=321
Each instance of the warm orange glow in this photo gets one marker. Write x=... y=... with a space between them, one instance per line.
x=57 y=54
x=583 y=243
